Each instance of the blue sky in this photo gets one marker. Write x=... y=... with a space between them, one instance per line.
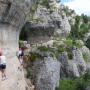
x=80 y=6
x=66 y=1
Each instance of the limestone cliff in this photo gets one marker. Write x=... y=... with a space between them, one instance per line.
x=48 y=20
x=13 y=15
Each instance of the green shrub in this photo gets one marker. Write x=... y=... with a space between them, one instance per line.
x=75 y=84
x=78 y=44
x=21 y=45
x=34 y=56
x=43 y=49
x=44 y=3
x=70 y=55
x=67 y=85
x=61 y=48
x=68 y=42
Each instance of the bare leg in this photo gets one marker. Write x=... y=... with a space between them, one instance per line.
x=21 y=63
x=3 y=74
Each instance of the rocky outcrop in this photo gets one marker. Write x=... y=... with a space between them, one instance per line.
x=55 y=19
x=51 y=21
x=13 y=15
x=14 y=12
x=64 y=64
x=46 y=74
x=75 y=67
x=78 y=58
x=68 y=67
x=86 y=53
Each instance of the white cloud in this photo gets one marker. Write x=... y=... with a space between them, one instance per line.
x=80 y=6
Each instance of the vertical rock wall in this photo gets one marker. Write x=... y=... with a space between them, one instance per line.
x=13 y=15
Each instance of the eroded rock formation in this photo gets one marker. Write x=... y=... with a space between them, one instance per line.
x=74 y=67
x=46 y=74
x=50 y=21
x=13 y=15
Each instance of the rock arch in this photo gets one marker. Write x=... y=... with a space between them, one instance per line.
x=13 y=15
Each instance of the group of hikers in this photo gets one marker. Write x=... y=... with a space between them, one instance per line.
x=3 y=61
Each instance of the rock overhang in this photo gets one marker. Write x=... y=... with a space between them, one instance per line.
x=14 y=12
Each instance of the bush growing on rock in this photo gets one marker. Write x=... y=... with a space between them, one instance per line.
x=80 y=83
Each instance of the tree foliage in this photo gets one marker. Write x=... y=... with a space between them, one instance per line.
x=80 y=28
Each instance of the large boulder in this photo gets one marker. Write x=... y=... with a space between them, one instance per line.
x=46 y=74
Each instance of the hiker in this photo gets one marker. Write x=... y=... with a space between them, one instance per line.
x=20 y=55
x=3 y=65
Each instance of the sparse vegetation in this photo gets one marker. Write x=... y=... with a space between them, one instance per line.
x=44 y=3
x=76 y=83
x=80 y=28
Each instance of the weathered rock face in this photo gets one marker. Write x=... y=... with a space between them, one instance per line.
x=46 y=74
x=74 y=67
x=13 y=15
x=14 y=12
x=86 y=53
x=51 y=21
x=78 y=58
x=64 y=64
x=68 y=67
x=54 y=18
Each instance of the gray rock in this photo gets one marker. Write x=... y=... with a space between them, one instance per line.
x=88 y=88
x=14 y=12
x=86 y=51
x=78 y=58
x=51 y=21
x=73 y=69
x=64 y=65
x=68 y=67
x=88 y=67
x=13 y=15
x=46 y=74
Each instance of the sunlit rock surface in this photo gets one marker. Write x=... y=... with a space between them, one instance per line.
x=13 y=15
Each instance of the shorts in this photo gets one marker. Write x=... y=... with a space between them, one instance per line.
x=2 y=66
